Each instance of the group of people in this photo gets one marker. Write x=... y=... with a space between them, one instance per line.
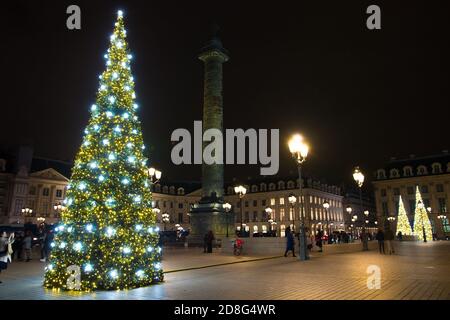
x=208 y=242
x=386 y=238
x=311 y=240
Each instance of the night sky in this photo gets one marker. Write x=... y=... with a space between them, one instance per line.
x=358 y=96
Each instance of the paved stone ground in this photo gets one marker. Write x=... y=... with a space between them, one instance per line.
x=416 y=271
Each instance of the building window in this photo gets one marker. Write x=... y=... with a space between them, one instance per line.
x=383 y=192
x=410 y=190
x=421 y=170
x=171 y=205
x=32 y=190
x=18 y=207
x=255 y=203
x=381 y=174
x=436 y=167
x=424 y=189
x=442 y=205
x=282 y=217
x=255 y=216
x=439 y=187
x=246 y=204
x=272 y=201
x=384 y=206
x=393 y=173
x=59 y=193
x=263 y=187
x=264 y=216
x=407 y=171
x=247 y=218
x=263 y=202
x=180 y=217
x=180 y=205
x=254 y=188
x=272 y=186
x=164 y=204
x=281 y=201
x=46 y=192
x=446 y=225
x=396 y=191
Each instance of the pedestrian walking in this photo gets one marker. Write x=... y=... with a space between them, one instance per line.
x=289 y=242
x=389 y=239
x=47 y=245
x=400 y=236
x=319 y=239
x=17 y=247
x=27 y=245
x=380 y=239
x=209 y=240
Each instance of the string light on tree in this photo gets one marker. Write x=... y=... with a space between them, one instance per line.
x=110 y=205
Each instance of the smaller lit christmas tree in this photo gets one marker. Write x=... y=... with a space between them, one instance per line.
x=403 y=224
x=422 y=224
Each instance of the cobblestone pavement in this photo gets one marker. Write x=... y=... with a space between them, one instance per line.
x=416 y=271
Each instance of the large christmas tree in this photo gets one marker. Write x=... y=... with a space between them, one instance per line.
x=403 y=224
x=107 y=237
x=421 y=220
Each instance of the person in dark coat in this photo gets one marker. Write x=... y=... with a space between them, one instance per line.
x=400 y=236
x=319 y=239
x=17 y=247
x=209 y=240
x=289 y=242
x=380 y=239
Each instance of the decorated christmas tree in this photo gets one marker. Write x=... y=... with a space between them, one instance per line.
x=107 y=238
x=403 y=224
x=421 y=221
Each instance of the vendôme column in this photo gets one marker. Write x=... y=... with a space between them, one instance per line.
x=209 y=214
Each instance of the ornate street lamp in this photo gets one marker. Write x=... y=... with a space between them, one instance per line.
x=442 y=218
x=165 y=219
x=26 y=212
x=240 y=191
x=292 y=200
x=326 y=206
x=299 y=150
x=59 y=208
x=227 y=208
x=359 y=179
x=153 y=176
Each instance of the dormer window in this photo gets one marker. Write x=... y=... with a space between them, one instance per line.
x=180 y=191
x=381 y=174
x=281 y=185
x=421 y=170
x=263 y=187
x=436 y=167
x=254 y=188
x=272 y=186
x=407 y=171
x=393 y=173
x=290 y=184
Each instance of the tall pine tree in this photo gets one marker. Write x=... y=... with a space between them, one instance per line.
x=403 y=224
x=421 y=221
x=107 y=236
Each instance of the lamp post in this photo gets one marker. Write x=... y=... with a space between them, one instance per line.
x=420 y=205
x=326 y=205
x=292 y=200
x=165 y=219
x=299 y=150
x=268 y=211
x=359 y=179
x=59 y=208
x=227 y=208
x=240 y=191
x=442 y=218
x=154 y=176
x=26 y=212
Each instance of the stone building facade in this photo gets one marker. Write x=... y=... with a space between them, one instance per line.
x=400 y=177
